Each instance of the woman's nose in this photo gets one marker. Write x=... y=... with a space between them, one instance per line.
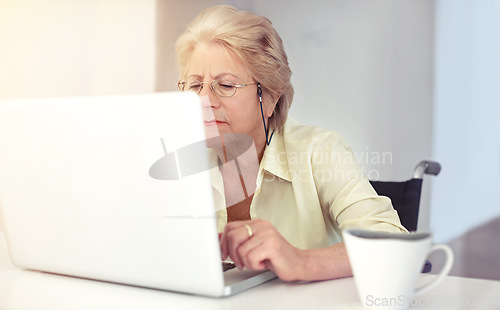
x=211 y=100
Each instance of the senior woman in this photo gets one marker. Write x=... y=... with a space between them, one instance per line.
x=307 y=185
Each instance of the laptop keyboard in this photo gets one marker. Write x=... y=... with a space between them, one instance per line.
x=227 y=266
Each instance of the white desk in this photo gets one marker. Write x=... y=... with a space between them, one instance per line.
x=22 y=289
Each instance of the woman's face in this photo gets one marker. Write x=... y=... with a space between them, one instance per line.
x=237 y=114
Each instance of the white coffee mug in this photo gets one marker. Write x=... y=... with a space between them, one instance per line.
x=386 y=266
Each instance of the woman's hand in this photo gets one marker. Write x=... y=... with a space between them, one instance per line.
x=257 y=245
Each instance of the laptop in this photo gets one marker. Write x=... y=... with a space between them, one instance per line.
x=79 y=197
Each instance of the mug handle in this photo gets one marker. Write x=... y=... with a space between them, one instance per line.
x=444 y=272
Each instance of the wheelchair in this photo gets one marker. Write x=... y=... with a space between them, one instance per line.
x=405 y=196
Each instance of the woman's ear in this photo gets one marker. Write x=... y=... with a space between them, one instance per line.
x=273 y=101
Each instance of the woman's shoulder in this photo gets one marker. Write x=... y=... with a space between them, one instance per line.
x=297 y=133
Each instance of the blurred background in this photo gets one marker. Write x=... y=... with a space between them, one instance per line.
x=401 y=80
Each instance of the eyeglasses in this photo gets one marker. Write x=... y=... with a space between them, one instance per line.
x=222 y=88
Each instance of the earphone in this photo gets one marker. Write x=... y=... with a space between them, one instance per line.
x=259 y=92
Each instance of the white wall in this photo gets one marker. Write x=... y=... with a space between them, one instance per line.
x=466 y=116
x=76 y=47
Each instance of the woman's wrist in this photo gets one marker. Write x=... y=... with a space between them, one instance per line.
x=323 y=264
x=308 y=266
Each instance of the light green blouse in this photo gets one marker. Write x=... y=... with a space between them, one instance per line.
x=310 y=187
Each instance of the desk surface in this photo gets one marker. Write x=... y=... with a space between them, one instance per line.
x=22 y=289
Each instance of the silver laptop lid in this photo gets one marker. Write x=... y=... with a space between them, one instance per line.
x=77 y=196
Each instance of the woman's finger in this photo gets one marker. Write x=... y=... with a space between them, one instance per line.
x=253 y=252
x=223 y=238
x=236 y=237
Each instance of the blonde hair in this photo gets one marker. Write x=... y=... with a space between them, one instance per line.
x=256 y=43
